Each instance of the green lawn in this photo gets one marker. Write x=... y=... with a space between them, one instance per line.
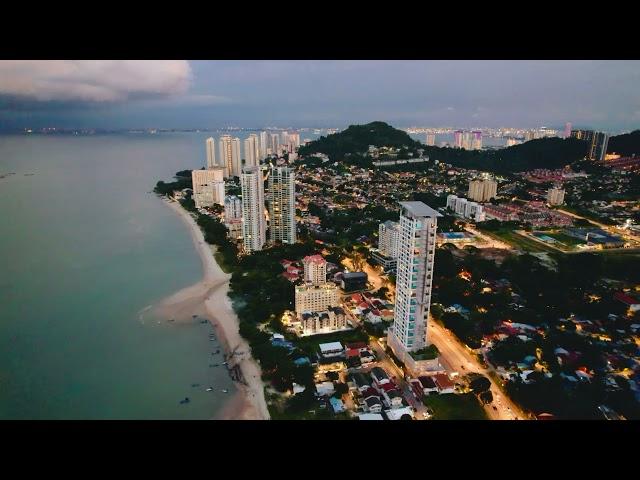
x=455 y=407
x=310 y=344
x=518 y=241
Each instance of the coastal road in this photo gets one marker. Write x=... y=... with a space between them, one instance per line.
x=455 y=356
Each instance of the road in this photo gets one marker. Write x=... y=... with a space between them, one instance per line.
x=455 y=356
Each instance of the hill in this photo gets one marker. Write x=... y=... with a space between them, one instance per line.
x=625 y=145
x=542 y=153
x=352 y=144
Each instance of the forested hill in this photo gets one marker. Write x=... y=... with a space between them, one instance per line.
x=356 y=139
x=542 y=153
x=625 y=145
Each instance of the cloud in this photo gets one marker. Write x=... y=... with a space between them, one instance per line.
x=93 y=81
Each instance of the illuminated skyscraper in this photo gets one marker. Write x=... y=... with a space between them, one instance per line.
x=253 y=219
x=282 y=205
x=431 y=139
x=230 y=155
x=416 y=252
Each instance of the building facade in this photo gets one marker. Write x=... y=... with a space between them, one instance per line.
x=230 y=156
x=482 y=189
x=598 y=143
x=431 y=139
x=418 y=223
x=208 y=187
x=315 y=270
x=282 y=205
x=466 y=208
x=316 y=298
x=253 y=219
x=331 y=320
x=211 y=152
x=555 y=196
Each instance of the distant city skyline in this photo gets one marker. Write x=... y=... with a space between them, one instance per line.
x=179 y=94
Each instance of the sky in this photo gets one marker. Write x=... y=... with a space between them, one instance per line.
x=318 y=93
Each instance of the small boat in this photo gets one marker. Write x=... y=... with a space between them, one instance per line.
x=194 y=316
x=225 y=363
x=212 y=339
x=186 y=400
x=209 y=389
x=225 y=390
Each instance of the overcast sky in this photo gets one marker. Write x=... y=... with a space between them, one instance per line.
x=212 y=94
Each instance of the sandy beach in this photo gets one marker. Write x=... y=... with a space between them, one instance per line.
x=208 y=298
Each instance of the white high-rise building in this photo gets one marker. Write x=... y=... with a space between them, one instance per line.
x=253 y=219
x=388 y=237
x=275 y=143
x=555 y=196
x=263 y=145
x=282 y=205
x=232 y=208
x=416 y=251
x=208 y=187
x=230 y=155
x=251 y=154
x=211 y=152
x=315 y=269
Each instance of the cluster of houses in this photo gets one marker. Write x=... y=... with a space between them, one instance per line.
x=376 y=392
x=370 y=309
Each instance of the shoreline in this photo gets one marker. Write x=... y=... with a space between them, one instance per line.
x=209 y=297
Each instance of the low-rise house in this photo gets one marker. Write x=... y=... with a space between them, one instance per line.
x=399 y=413
x=373 y=404
x=379 y=376
x=332 y=349
x=325 y=389
x=367 y=356
x=370 y=416
x=443 y=383
x=361 y=381
x=428 y=385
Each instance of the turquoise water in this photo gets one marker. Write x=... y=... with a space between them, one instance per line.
x=83 y=249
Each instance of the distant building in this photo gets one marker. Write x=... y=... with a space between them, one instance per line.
x=431 y=139
x=232 y=208
x=230 y=156
x=251 y=151
x=482 y=189
x=555 y=196
x=567 y=130
x=253 y=219
x=457 y=138
x=263 y=145
x=208 y=187
x=476 y=143
x=282 y=205
x=598 y=142
x=354 y=281
x=211 y=152
x=388 y=236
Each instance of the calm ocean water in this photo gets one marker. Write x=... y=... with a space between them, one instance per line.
x=83 y=249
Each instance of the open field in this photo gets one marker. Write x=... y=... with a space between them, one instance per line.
x=455 y=407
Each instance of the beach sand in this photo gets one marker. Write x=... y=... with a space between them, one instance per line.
x=208 y=298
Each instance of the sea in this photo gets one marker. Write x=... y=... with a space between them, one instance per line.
x=85 y=250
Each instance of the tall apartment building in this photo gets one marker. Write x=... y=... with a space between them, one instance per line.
x=431 y=139
x=230 y=156
x=211 y=152
x=208 y=187
x=263 y=145
x=315 y=269
x=567 y=130
x=555 y=196
x=388 y=238
x=282 y=205
x=598 y=142
x=294 y=141
x=482 y=189
x=251 y=151
x=476 y=140
x=274 y=143
x=457 y=138
x=416 y=251
x=232 y=208
x=253 y=219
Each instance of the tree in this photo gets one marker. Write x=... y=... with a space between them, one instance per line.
x=480 y=384
x=486 y=397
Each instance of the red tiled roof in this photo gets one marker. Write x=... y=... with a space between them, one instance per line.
x=353 y=352
x=624 y=298
x=356 y=346
x=314 y=259
x=442 y=381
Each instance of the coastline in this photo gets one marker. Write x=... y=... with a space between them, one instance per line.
x=209 y=298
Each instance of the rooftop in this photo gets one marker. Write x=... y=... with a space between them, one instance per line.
x=420 y=209
x=314 y=259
